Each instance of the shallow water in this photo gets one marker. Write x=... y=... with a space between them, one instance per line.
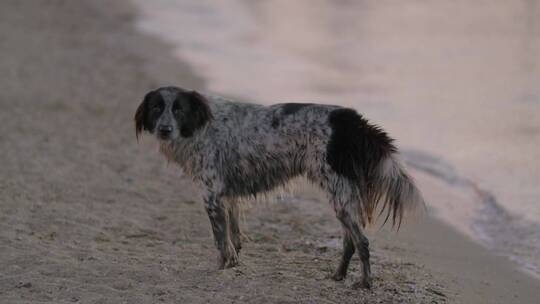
x=457 y=82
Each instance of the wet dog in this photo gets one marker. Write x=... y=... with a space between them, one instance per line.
x=234 y=150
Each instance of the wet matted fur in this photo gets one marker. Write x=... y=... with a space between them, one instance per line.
x=234 y=150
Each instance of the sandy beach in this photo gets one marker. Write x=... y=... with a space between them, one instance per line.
x=90 y=215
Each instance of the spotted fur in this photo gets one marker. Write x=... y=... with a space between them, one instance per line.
x=236 y=150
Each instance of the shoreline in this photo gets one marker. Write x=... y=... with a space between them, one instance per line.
x=479 y=275
x=488 y=223
x=89 y=215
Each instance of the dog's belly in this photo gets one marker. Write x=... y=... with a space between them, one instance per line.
x=251 y=176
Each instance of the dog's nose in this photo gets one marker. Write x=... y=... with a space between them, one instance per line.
x=165 y=130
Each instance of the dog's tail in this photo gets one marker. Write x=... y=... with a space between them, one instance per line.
x=391 y=190
x=366 y=156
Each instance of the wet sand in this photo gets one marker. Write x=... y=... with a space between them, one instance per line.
x=88 y=215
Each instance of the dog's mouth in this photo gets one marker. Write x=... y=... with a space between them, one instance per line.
x=164 y=135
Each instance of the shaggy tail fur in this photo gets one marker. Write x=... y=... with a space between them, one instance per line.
x=392 y=190
x=365 y=155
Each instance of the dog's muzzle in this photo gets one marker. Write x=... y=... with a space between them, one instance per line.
x=164 y=132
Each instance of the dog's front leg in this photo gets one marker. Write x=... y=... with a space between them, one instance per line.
x=234 y=226
x=218 y=216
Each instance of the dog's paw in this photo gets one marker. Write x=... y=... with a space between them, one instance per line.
x=228 y=260
x=231 y=262
x=338 y=276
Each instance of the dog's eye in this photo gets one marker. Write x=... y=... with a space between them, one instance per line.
x=176 y=111
x=156 y=109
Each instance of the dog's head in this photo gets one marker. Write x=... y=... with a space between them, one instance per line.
x=171 y=112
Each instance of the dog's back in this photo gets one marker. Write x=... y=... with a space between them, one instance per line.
x=259 y=148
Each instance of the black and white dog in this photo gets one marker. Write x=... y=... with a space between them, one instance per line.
x=234 y=150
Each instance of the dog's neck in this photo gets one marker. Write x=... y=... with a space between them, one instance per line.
x=185 y=151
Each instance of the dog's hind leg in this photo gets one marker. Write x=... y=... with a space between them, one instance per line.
x=360 y=241
x=234 y=225
x=217 y=214
x=348 y=251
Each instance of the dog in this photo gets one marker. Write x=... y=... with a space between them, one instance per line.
x=234 y=150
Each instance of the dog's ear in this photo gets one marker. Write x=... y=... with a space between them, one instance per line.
x=197 y=113
x=140 y=114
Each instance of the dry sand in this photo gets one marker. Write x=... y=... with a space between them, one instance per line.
x=88 y=215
